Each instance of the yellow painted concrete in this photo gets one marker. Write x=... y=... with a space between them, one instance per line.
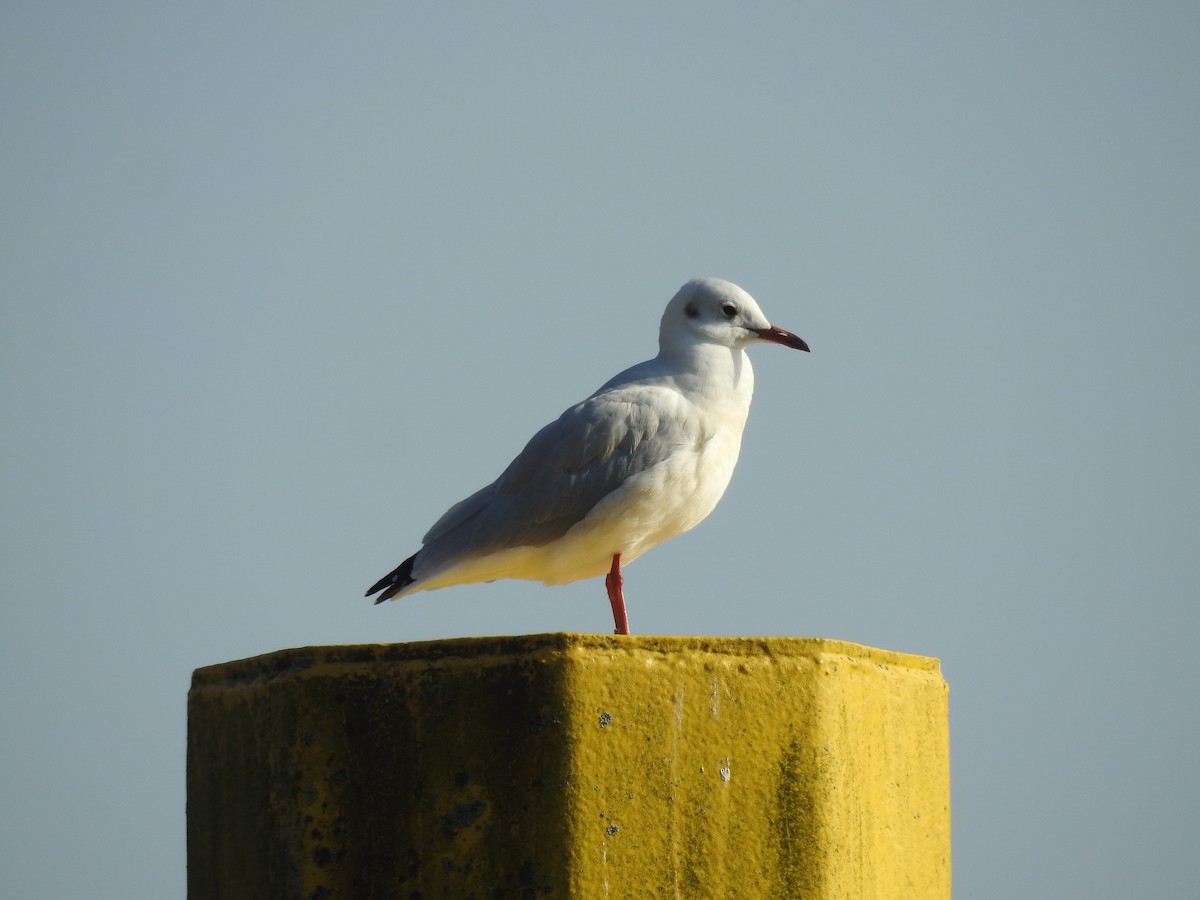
x=571 y=766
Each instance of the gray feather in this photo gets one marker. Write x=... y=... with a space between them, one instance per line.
x=564 y=471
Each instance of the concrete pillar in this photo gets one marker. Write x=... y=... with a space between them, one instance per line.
x=568 y=765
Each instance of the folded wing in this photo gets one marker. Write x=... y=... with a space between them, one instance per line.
x=564 y=471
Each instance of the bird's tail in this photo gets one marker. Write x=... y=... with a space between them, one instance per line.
x=394 y=581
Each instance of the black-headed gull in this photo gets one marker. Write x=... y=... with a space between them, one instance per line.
x=643 y=459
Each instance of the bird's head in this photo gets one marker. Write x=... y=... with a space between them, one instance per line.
x=713 y=311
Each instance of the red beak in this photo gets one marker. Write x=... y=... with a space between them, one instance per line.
x=779 y=336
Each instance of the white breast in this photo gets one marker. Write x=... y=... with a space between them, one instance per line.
x=668 y=499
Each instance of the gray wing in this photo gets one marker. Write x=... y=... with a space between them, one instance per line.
x=565 y=470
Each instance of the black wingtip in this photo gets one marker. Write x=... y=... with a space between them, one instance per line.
x=393 y=582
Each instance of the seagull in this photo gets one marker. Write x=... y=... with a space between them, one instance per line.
x=643 y=459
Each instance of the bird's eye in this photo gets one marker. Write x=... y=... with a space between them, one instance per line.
x=729 y=310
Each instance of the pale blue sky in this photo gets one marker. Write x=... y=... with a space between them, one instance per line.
x=281 y=282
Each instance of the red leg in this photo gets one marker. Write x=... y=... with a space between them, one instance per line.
x=616 y=596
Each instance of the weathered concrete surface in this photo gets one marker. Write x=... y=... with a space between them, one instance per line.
x=569 y=765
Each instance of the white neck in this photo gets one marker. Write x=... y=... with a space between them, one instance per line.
x=721 y=374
